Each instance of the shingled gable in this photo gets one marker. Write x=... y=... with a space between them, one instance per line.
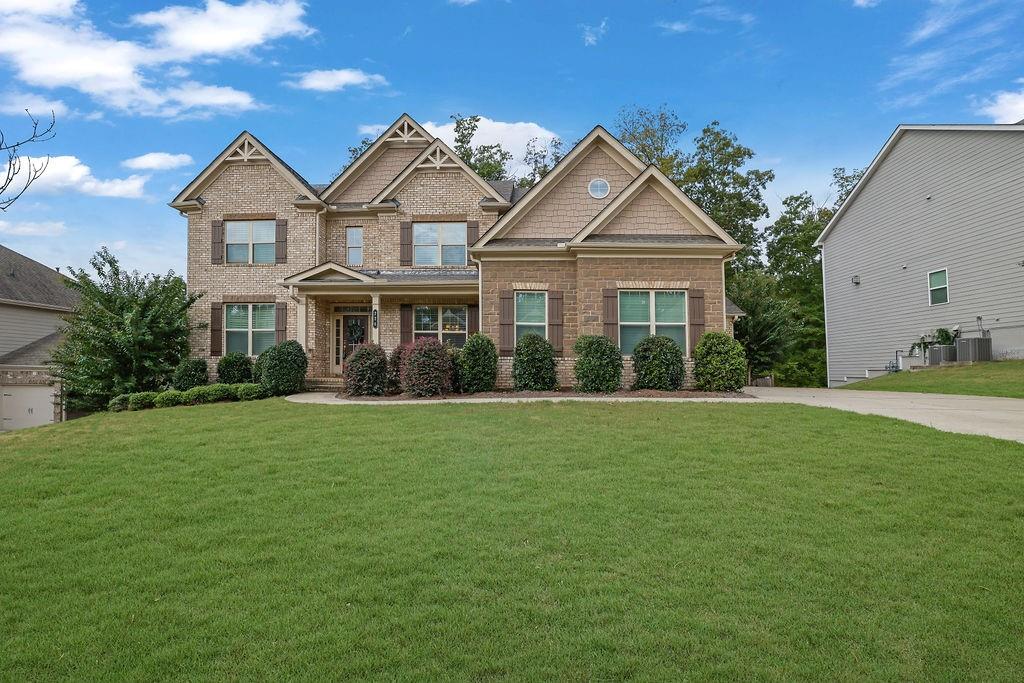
x=405 y=131
x=438 y=157
x=245 y=148
x=597 y=137
x=652 y=177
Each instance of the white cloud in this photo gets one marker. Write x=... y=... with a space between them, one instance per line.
x=865 y=3
x=157 y=161
x=199 y=100
x=1004 y=106
x=675 y=26
x=32 y=229
x=372 y=129
x=14 y=102
x=331 y=80
x=462 y=3
x=724 y=13
x=69 y=174
x=513 y=136
x=592 y=34
x=56 y=8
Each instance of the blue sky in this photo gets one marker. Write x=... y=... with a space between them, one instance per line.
x=147 y=93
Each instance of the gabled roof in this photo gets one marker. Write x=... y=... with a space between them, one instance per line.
x=597 y=136
x=29 y=283
x=325 y=272
x=404 y=131
x=654 y=178
x=244 y=148
x=436 y=157
x=900 y=131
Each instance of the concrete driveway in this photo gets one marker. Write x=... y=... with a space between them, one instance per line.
x=1002 y=418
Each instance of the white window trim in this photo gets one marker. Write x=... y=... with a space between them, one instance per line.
x=249 y=329
x=590 y=188
x=930 y=288
x=362 y=243
x=515 y=312
x=653 y=324
x=440 y=245
x=251 y=249
x=439 y=332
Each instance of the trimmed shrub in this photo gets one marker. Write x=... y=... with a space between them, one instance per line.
x=719 y=363
x=211 y=393
x=191 y=372
x=257 y=368
x=396 y=361
x=454 y=354
x=142 y=400
x=427 y=369
x=478 y=364
x=284 y=368
x=249 y=392
x=234 y=368
x=366 y=371
x=533 y=364
x=118 y=403
x=169 y=398
x=658 y=363
x=598 y=367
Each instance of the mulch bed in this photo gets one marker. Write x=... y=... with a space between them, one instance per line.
x=646 y=393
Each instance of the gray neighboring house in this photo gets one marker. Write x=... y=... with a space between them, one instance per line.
x=33 y=300
x=932 y=236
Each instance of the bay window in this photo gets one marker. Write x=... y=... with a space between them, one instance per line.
x=651 y=312
x=250 y=241
x=447 y=324
x=531 y=314
x=249 y=328
x=439 y=244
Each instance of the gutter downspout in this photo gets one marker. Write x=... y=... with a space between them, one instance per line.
x=479 y=293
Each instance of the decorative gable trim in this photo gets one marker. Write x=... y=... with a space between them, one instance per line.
x=436 y=157
x=313 y=274
x=653 y=177
x=597 y=137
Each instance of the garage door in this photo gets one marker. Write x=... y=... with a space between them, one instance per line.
x=25 y=406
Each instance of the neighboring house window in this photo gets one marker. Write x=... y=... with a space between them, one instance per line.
x=250 y=241
x=647 y=312
x=938 y=287
x=598 y=188
x=439 y=244
x=354 y=246
x=249 y=328
x=448 y=324
x=531 y=314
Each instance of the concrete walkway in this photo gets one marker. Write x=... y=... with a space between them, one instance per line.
x=1002 y=418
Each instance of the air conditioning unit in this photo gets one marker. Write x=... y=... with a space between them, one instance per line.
x=974 y=349
x=941 y=353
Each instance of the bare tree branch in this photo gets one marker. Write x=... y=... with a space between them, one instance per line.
x=33 y=169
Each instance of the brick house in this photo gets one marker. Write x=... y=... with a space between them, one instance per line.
x=408 y=242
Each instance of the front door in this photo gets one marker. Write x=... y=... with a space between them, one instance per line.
x=355 y=331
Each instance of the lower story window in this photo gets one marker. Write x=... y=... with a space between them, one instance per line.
x=651 y=312
x=448 y=324
x=531 y=314
x=249 y=328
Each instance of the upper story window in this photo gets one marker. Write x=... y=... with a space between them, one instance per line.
x=250 y=241
x=531 y=314
x=249 y=328
x=354 y=246
x=938 y=287
x=651 y=312
x=439 y=244
x=598 y=188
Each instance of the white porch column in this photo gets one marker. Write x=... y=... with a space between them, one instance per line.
x=375 y=317
x=300 y=321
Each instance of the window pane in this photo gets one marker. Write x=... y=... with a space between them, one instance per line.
x=939 y=296
x=634 y=307
x=530 y=307
x=264 y=231
x=355 y=256
x=453 y=318
x=263 y=316
x=264 y=253
x=261 y=341
x=676 y=333
x=937 y=279
x=453 y=233
x=424 y=233
x=629 y=335
x=237 y=341
x=236 y=231
x=425 y=256
x=354 y=237
x=426 y=318
x=238 y=253
x=453 y=256
x=237 y=317
x=530 y=329
x=456 y=339
x=670 y=307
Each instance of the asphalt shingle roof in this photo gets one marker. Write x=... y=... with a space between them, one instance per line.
x=34 y=353
x=30 y=282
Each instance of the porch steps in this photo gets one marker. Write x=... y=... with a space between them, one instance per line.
x=332 y=383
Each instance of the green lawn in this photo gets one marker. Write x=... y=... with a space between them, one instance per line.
x=536 y=542
x=1000 y=378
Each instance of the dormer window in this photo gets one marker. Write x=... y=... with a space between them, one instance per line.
x=439 y=244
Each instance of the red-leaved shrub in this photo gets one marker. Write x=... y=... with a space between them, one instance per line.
x=428 y=369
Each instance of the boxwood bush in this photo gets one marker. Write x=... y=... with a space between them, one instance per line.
x=396 y=361
x=191 y=372
x=427 y=369
x=366 y=371
x=142 y=400
x=234 y=368
x=249 y=392
x=658 y=363
x=211 y=393
x=478 y=364
x=170 y=398
x=118 y=403
x=598 y=367
x=284 y=368
x=719 y=363
x=533 y=364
